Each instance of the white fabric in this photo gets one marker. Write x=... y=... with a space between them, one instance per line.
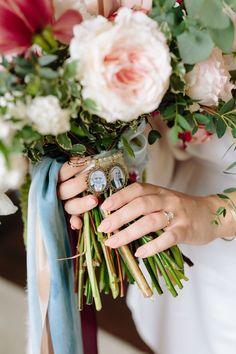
x=202 y=319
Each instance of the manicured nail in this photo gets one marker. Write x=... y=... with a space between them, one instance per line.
x=141 y=253
x=107 y=204
x=111 y=242
x=72 y=227
x=92 y=202
x=104 y=226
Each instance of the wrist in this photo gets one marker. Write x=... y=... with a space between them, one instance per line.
x=226 y=226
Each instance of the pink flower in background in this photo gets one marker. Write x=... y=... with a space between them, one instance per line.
x=201 y=136
x=21 y=20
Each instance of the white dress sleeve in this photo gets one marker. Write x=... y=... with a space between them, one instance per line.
x=202 y=319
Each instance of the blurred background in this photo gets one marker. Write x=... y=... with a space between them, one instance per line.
x=117 y=333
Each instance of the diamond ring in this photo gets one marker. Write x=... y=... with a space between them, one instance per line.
x=169 y=216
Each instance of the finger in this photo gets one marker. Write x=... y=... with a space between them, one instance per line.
x=159 y=244
x=142 y=227
x=72 y=187
x=75 y=222
x=79 y=206
x=67 y=171
x=128 y=194
x=136 y=208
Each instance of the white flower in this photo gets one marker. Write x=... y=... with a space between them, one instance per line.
x=7 y=131
x=12 y=177
x=6 y=205
x=63 y=5
x=209 y=81
x=124 y=66
x=48 y=116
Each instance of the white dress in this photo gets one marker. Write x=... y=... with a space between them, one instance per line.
x=202 y=319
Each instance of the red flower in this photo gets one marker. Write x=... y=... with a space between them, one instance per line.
x=22 y=20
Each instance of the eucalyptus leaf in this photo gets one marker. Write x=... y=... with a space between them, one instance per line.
x=195 y=45
x=211 y=14
x=223 y=38
x=47 y=59
x=230 y=190
x=48 y=73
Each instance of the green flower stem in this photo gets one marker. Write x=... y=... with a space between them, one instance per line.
x=152 y=275
x=168 y=266
x=178 y=257
x=161 y=267
x=102 y=276
x=121 y=276
x=47 y=34
x=89 y=261
x=136 y=271
x=81 y=275
x=168 y=282
x=88 y=293
x=108 y=258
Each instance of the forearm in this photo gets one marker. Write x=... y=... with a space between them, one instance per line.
x=226 y=224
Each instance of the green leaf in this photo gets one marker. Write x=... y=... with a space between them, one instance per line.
x=48 y=73
x=153 y=136
x=223 y=38
x=183 y=122
x=211 y=14
x=128 y=147
x=79 y=149
x=193 y=7
x=195 y=45
x=227 y=107
x=47 y=59
x=220 y=128
x=28 y=134
x=201 y=118
x=221 y=211
x=70 y=69
x=90 y=105
x=230 y=190
x=64 y=141
x=223 y=196
x=231 y=166
x=174 y=134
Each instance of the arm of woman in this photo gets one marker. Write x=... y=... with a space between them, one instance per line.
x=191 y=223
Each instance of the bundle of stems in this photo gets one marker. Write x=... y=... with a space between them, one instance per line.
x=102 y=269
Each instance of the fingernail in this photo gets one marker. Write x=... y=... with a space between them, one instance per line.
x=111 y=242
x=107 y=204
x=72 y=227
x=141 y=253
x=92 y=202
x=104 y=226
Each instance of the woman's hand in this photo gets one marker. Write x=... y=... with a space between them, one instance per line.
x=192 y=222
x=71 y=185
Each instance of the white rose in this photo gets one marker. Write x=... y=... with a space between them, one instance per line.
x=48 y=116
x=12 y=177
x=209 y=81
x=7 y=131
x=124 y=66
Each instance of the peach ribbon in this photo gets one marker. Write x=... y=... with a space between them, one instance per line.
x=107 y=7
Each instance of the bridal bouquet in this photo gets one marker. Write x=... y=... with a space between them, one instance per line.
x=79 y=80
